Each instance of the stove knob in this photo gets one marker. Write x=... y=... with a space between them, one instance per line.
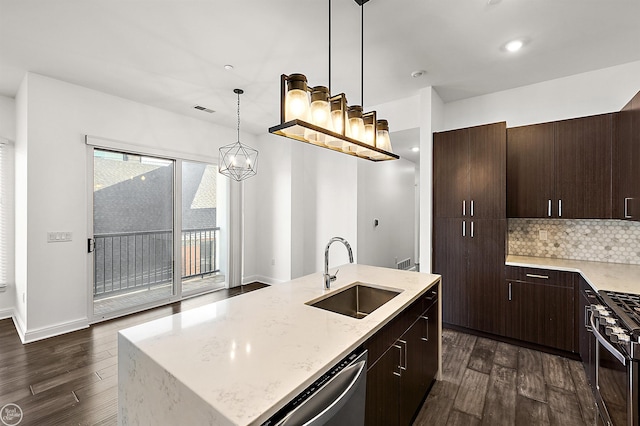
x=621 y=336
x=610 y=321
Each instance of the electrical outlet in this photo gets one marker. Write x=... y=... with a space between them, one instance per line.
x=542 y=234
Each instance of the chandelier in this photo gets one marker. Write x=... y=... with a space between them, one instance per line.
x=238 y=161
x=313 y=115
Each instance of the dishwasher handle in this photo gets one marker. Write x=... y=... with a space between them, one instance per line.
x=330 y=398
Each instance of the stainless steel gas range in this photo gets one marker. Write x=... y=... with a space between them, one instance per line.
x=615 y=323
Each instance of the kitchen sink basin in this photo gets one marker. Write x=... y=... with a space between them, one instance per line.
x=356 y=300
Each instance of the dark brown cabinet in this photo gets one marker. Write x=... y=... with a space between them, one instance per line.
x=469 y=172
x=587 y=341
x=541 y=307
x=403 y=360
x=469 y=226
x=561 y=169
x=626 y=161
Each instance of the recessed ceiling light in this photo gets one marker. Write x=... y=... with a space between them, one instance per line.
x=514 y=45
x=418 y=74
x=415 y=149
x=493 y=2
x=228 y=67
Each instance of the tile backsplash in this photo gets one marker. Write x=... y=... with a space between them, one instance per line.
x=615 y=241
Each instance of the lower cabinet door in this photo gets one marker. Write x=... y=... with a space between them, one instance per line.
x=413 y=372
x=431 y=345
x=383 y=389
x=541 y=314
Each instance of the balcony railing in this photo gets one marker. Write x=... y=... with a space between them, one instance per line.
x=126 y=262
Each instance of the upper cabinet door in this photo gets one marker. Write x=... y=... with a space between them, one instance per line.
x=626 y=161
x=583 y=167
x=487 y=171
x=451 y=173
x=624 y=184
x=530 y=171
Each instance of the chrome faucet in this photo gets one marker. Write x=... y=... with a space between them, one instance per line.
x=328 y=277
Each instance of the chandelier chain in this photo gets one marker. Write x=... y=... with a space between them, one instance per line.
x=238 y=116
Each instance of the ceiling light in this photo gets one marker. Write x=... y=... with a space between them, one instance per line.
x=418 y=74
x=313 y=115
x=228 y=67
x=415 y=149
x=514 y=45
x=238 y=161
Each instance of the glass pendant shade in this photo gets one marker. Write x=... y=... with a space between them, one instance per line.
x=355 y=124
x=382 y=139
x=369 y=135
x=320 y=112
x=296 y=101
x=337 y=122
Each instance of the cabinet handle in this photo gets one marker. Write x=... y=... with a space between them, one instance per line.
x=464 y=228
x=559 y=208
x=434 y=295
x=549 y=209
x=426 y=318
x=464 y=207
x=471 y=229
x=509 y=292
x=471 y=208
x=405 y=355
x=544 y=277
x=626 y=208
x=587 y=312
x=399 y=373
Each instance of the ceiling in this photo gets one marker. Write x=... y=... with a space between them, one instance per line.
x=171 y=54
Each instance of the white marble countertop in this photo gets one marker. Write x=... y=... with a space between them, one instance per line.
x=600 y=275
x=247 y=356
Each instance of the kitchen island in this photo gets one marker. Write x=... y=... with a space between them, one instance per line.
x=238 y=361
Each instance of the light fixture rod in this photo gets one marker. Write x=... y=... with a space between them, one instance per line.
x=329 y=46
x=362 y=55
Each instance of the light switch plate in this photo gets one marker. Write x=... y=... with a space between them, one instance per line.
x=59 y=237
x=542 y=234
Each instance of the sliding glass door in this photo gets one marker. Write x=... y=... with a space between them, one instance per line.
x=133 y=231
x=200 y=236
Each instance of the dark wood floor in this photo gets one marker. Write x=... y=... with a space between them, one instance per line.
x=72 y=379
x=493 y=383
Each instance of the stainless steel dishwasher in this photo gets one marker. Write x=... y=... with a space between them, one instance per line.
x=336 y=398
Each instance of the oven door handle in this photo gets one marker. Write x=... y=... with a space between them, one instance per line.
x=604 y=342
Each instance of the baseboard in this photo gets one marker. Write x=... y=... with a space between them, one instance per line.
x=56 y=330
x=17 y=322
x=261 y=279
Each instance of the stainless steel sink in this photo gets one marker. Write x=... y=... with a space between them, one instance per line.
x=356 y=300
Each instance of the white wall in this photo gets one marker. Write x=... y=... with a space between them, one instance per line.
x=580 y=95
x=386 y=191
x=302 y=196
x=8 y=133
x=267 y=213
x=431 y=113
x=51 y=186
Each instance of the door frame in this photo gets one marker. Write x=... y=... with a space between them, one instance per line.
x=232 y=215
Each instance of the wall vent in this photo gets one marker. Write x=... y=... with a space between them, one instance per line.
x=404 y=264
x=205 y=109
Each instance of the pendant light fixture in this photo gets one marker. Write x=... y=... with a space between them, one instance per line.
x=238 y=161
x=313 y=115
